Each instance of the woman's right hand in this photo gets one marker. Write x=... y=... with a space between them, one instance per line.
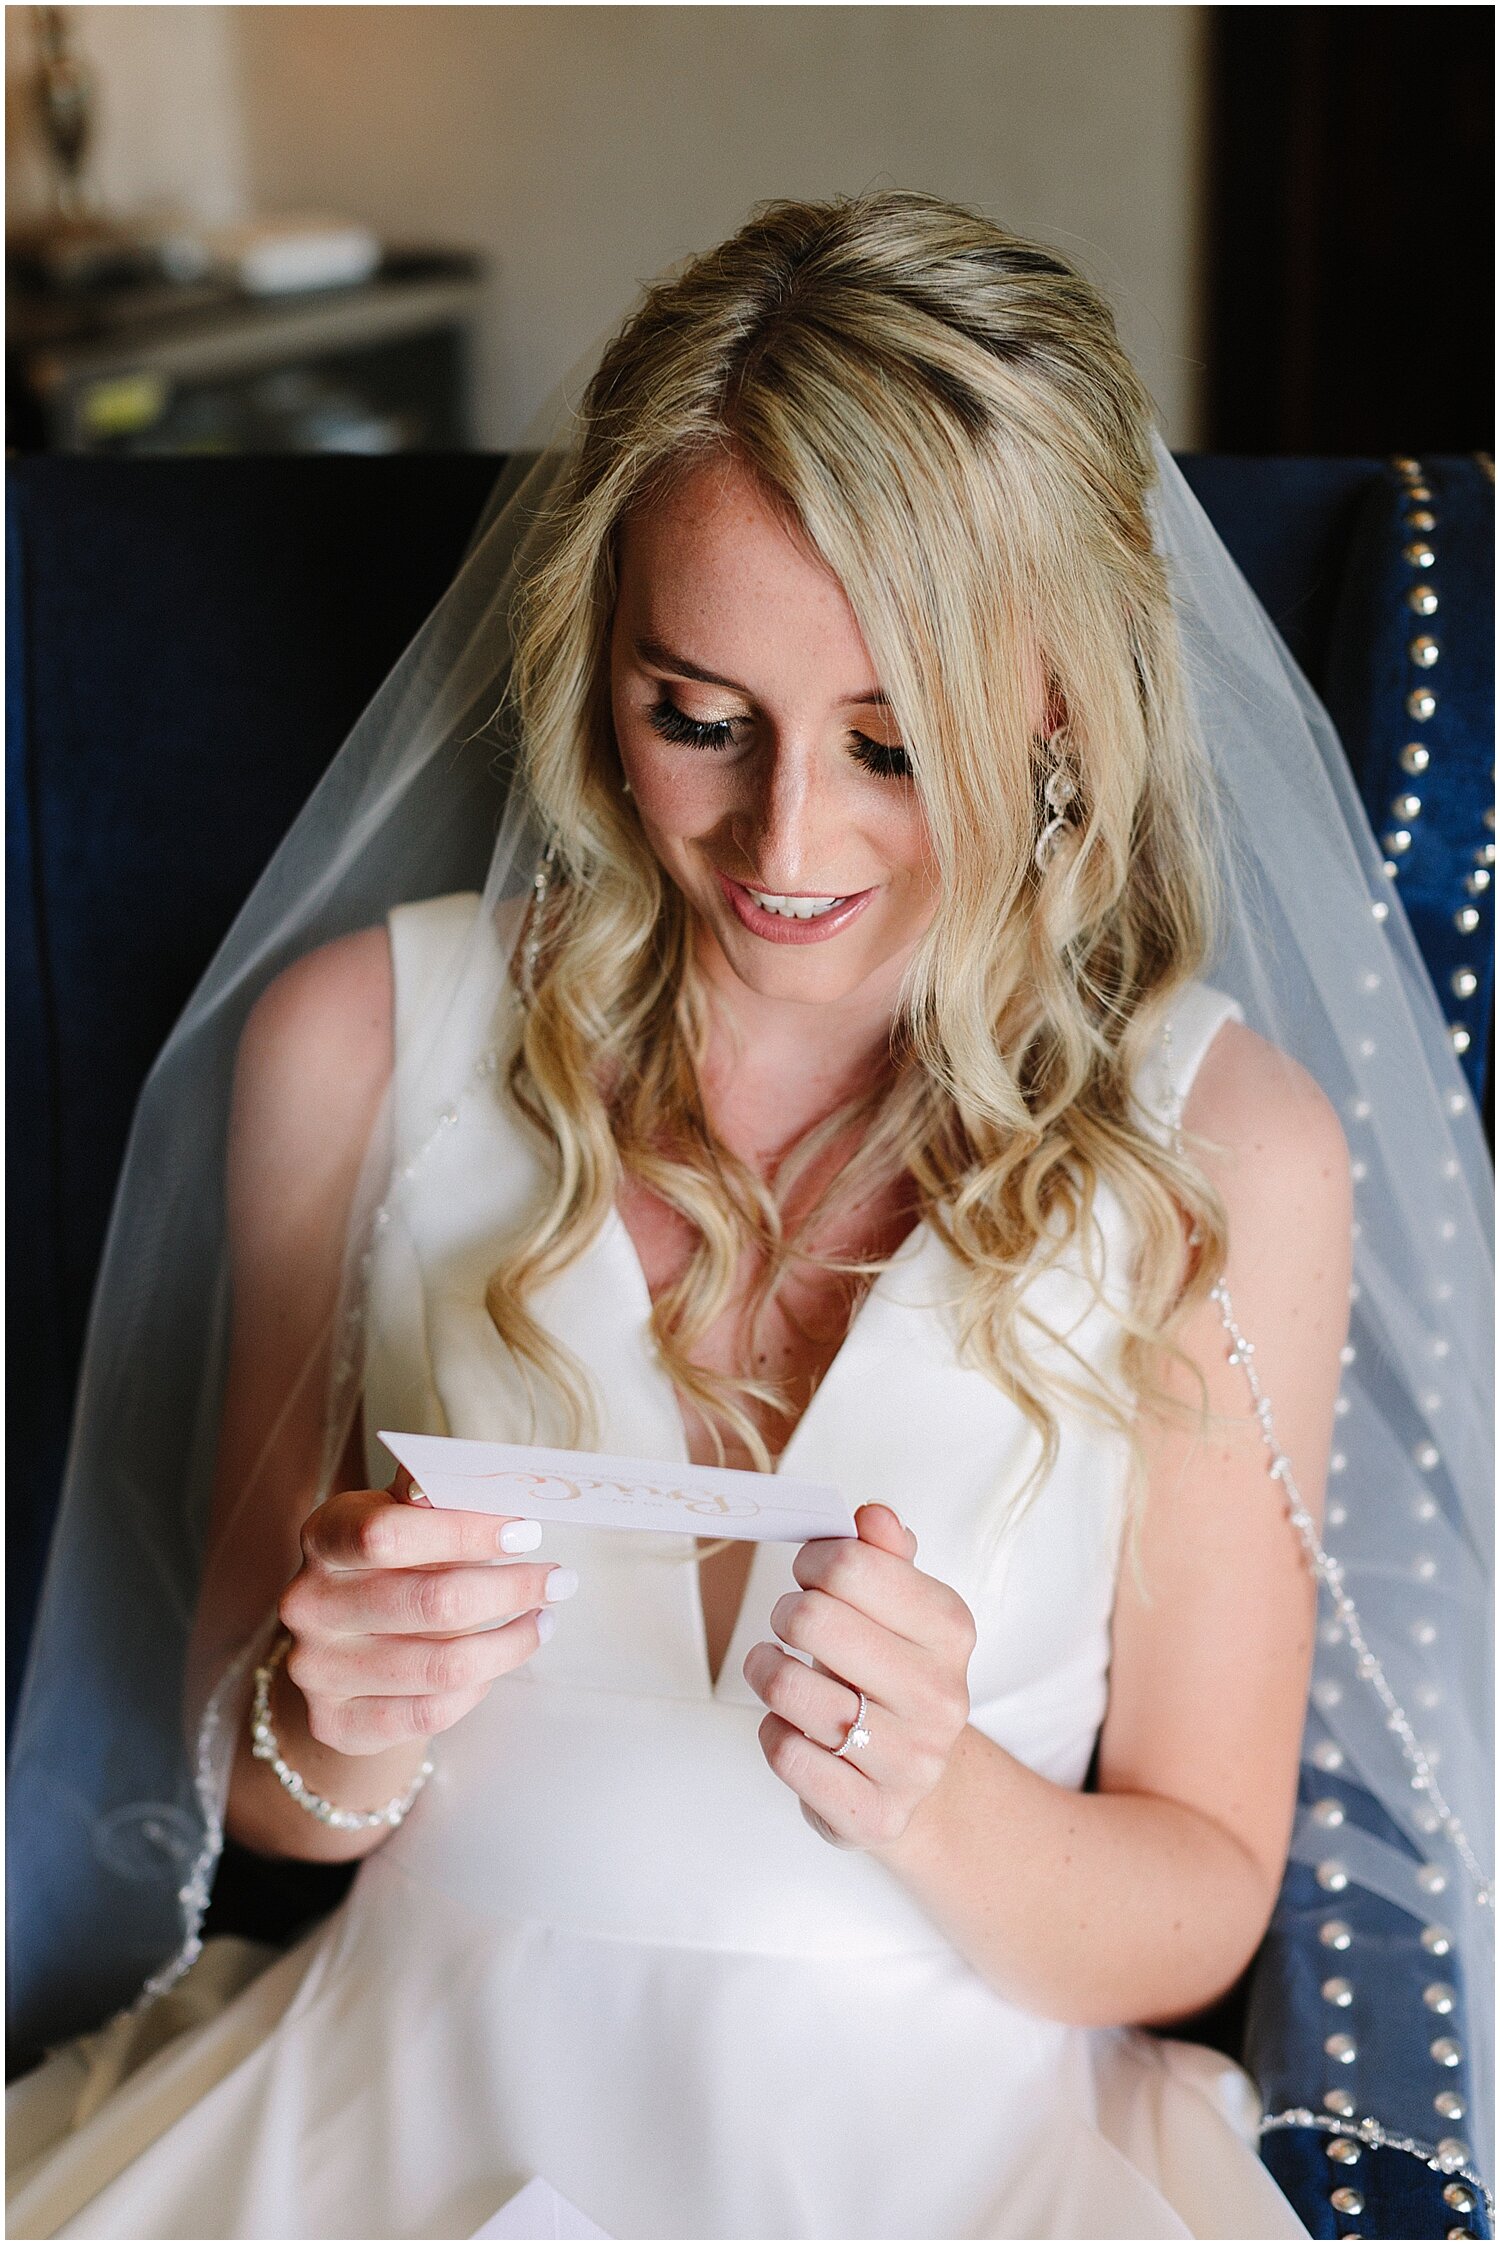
x=402 y=1615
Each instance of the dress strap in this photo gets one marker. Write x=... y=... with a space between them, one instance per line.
x=426 y=939
x=441 y=1056
x=1165 y=1077
x=455 y=1011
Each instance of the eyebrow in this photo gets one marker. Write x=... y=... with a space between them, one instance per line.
x=656 y=651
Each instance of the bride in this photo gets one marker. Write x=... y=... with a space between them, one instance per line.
x=845 y=1096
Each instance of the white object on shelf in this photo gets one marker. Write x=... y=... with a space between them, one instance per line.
x=277 y=256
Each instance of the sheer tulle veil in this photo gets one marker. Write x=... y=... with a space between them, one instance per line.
x=121 y=1758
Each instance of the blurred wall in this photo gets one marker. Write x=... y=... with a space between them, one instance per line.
x=169 y=117
x=585 y=148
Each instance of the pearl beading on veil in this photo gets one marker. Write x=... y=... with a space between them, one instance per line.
x=1346 y=2134
x=1326 y=1568
x=1329 y=1572
x=1346 y=2137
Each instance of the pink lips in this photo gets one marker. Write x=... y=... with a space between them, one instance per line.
x=774 y=929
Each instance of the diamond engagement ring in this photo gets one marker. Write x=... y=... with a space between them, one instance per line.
x=856 y=1736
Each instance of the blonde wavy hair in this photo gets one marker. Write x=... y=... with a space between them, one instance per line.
x=943 y=411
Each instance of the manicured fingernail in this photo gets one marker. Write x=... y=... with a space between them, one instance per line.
x=414 y=1495
x=545 y=1624
x=561 y=1583
x=520 y=1535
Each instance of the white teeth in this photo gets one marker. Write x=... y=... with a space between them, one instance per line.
x=795 y=907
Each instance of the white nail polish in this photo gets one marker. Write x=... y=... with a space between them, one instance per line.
x=520 y=1535
x=561 y=1583
x=545 y=1624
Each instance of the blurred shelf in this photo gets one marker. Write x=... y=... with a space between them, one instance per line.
x=379 y=365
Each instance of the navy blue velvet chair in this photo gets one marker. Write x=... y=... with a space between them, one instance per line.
x=189 y=642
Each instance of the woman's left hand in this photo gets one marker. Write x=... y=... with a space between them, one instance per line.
x=873 y=1624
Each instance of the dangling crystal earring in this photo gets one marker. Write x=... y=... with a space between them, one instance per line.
x=1058 y=792
x=541 y=881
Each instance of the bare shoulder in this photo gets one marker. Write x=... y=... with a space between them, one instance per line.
x=1267 y=1133
x=314 y=1058
x=337 y=1000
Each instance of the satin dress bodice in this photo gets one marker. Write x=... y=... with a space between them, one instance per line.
x=612 y=1743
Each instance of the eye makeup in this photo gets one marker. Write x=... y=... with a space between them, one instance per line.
x=884 y=760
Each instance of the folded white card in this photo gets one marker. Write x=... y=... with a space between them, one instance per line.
x=594 y=1490
x=539 y=2210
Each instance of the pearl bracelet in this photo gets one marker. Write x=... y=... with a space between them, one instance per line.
x=267 y=1748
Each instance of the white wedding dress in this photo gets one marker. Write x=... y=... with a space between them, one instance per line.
x=605 y=1946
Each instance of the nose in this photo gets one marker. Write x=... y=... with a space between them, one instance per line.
x=785 y=830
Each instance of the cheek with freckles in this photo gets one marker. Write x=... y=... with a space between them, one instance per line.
x=682 y=814
x=678 y=802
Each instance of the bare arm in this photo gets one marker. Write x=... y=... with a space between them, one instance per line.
x=400 y=1617
x=313 y=1062
x=1142 y=1902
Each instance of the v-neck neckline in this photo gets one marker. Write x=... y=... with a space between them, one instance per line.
x=616 y=1235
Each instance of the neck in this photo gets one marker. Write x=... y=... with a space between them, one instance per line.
x=774 y=1066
